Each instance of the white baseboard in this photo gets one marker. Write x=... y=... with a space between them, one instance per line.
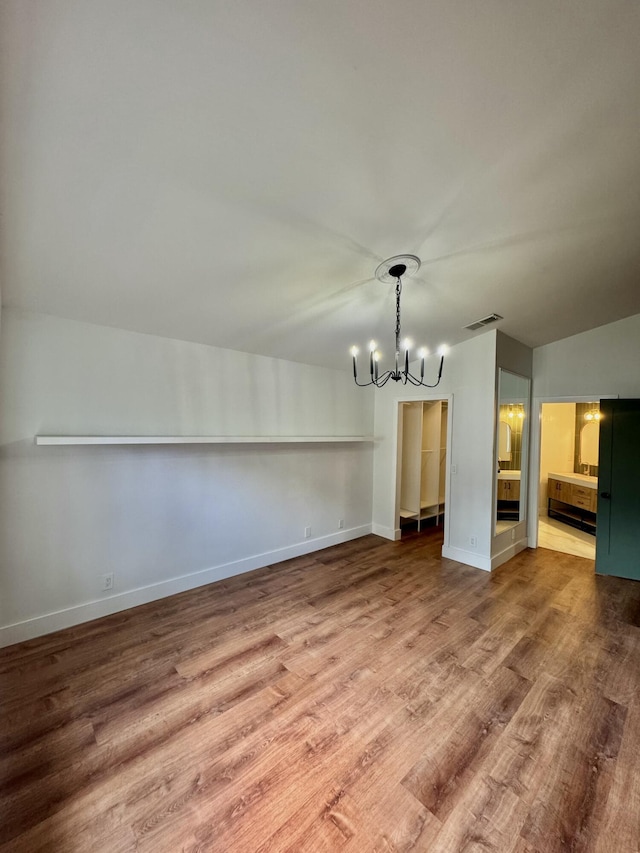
x=386 y=532
x=469 y=558
x=508 y=552
x=75 y=615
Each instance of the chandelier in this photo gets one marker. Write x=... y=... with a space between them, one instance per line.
x=389 y=271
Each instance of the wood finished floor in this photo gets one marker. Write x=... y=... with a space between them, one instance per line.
x=369 y=697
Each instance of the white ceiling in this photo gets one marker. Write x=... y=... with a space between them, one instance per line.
x=233 y=172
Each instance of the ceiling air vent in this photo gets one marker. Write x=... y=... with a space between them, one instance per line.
x=478 y=324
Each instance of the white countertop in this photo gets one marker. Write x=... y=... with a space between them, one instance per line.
x=576 y=479
x=509 y=475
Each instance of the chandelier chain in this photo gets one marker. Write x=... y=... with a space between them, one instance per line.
x=398 y=292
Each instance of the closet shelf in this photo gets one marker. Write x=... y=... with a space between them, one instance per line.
x=199 y=439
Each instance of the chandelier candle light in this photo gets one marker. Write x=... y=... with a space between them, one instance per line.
x=389 y=271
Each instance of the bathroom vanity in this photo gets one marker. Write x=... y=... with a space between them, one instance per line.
x=508 y=496
x=573 y=499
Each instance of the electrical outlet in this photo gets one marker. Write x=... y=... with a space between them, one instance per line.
x=513 y=534
x=307 y=532
x=454 y=468
x=107 y=582
x=473 y=541
x=340 y=523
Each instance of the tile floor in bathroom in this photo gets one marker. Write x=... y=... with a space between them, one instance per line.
x=557 y=536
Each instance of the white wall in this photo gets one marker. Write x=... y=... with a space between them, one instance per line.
x=161 y=518
x=602 y=362
x=594 y=364
x=468 y=381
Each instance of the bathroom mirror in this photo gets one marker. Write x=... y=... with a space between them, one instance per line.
x=504 y=441
x=511 y=448
x=589 y=440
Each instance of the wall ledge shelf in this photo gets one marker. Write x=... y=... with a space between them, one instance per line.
x=199 y=439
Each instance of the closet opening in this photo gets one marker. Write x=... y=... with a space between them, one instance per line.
x=422 y=464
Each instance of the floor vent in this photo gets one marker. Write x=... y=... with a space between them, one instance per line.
x=478 y=324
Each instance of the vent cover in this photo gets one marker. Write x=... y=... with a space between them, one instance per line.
x=478 y=324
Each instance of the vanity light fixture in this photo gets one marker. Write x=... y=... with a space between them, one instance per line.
x=592 y=415
x=389 y=271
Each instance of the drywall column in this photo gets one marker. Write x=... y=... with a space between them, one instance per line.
x=517 y=358
x=468 y=381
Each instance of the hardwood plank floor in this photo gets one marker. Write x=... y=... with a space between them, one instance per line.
x=369 y=697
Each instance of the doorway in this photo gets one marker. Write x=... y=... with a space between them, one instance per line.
x=422 y=463
x=568 y=477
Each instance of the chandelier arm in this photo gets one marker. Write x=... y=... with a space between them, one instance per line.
x=383 y=379
x=437 y=382
x=440 y=368
x=414 y=380
x=379 y=381
x=364 y=384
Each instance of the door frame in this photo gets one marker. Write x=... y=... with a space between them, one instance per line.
x=397 y=460
x=534 y=454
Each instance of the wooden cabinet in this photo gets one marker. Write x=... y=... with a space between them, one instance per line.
x=508 y=490
x=559 y=490
x=573 y=504
x=508 y=498
x=423 y=460
x=585 y=497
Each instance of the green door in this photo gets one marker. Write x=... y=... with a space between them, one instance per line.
x=618 y=527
